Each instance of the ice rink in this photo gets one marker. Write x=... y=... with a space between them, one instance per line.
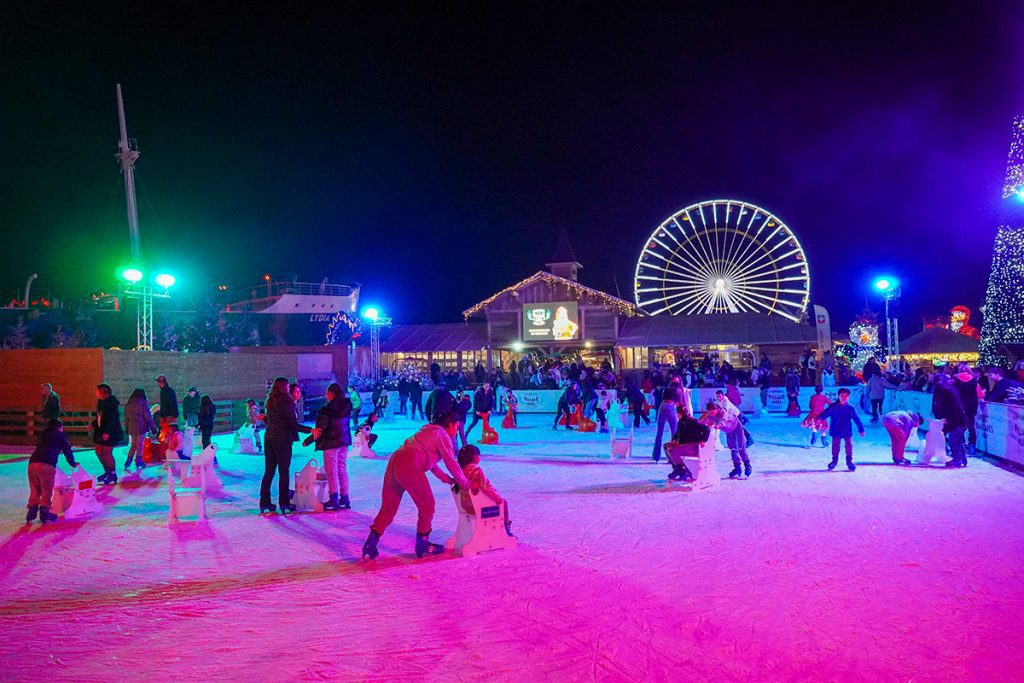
x=797 y=574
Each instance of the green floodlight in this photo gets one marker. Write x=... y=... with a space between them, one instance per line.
x=165 y=280
x=132 y=275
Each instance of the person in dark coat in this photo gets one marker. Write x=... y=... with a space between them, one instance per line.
x=689 y=435
x=999 y=386
x=966 y=385
x=190 y=407
x=138 y=422
x=947 y=406
x=207 y=416
x=483 y=402
x=637 y=403
x=42 y=467
x=282 y=431
x=462 y=407
x=168 y=401
x=439 y=402
x=335 y=437
x=416 y=400
x=567 y=402
x=841 y=417
x=793 y=393
x=50 y=407
x=107 y=431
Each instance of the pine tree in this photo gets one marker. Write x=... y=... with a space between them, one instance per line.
x=17 y=335
x=1004 y=298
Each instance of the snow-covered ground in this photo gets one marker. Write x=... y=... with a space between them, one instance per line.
x=797 y=574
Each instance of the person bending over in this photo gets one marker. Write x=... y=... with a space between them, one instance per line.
x=406 y=472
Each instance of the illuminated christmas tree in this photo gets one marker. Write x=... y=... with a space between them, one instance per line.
x=1014 y=183
x=1004 y=298
x=863 y=340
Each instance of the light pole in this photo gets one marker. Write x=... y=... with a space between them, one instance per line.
x=889 y=287
x=377 y=320
x=145 y=293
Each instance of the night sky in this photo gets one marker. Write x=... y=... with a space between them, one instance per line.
x=433 y=156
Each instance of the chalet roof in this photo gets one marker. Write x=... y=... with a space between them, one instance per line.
x=563 y=250
x=937 y=340
x=715 y=328
x=625 y=307
x=434 y=338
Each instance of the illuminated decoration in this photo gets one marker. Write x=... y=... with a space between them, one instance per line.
x=723 y=256
x=1004 y=297
x=914 y=358
x=1014 y=183
x=582 y=294
x=343 y=328
x=959 y=319
x=863 y=341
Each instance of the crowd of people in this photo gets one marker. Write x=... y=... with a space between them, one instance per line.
x=593 y=391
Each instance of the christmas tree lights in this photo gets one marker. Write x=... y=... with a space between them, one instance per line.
x=1004 y=297
x=1014 y=183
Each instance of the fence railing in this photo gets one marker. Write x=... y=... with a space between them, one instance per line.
x=22 y=427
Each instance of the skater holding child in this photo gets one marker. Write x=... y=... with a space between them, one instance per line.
x=406 y=472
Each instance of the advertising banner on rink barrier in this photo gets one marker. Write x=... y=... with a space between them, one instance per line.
x=1001 y=431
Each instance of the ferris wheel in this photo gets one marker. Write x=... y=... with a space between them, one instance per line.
x=722 y=256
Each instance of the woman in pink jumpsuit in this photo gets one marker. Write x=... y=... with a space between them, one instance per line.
x=407 y=473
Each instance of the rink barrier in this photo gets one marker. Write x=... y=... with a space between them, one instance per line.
x=21 y=427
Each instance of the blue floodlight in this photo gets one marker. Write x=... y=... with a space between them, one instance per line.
x=371 y=313
x=885 y=284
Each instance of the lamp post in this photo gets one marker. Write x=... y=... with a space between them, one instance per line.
x=377 y=320
x=134 y=288
x=889 y=287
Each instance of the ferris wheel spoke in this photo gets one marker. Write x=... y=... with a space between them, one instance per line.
x=694 y=271
x=774 y=301
x=757 y=272
x=756 y=256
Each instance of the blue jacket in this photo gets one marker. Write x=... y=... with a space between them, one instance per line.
x=841 y=418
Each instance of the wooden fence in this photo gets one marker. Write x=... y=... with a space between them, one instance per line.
x=21 y=427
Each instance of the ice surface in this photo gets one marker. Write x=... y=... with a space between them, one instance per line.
x=884 y=574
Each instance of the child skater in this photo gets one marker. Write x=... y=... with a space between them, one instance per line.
x=42 y=466
x=813 y=421
x=256 y=422
x=842 y=416
x=407 y=472
x=510 y=421
x=469 y=461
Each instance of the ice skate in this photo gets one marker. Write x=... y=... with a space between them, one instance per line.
x=832 y=465
x=45 y=516
x=332 y=504
x=33 y=511
x=344 y=503
x=736 y=473
x=850 y=466
x=269 y=508
x=814 y=438
x=425 y=547
x=286 y=509
x=824 y=440
x=128 y=464
x=746 y=469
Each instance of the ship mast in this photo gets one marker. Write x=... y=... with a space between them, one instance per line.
x=126 y=157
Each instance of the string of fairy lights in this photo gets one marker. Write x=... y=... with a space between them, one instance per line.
x=575 y=289
x=1014 y=183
